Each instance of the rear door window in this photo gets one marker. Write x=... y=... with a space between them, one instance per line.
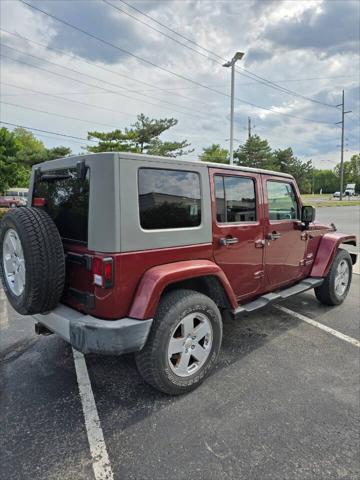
x=169 y=199
x=235 y=199
x=66 y=201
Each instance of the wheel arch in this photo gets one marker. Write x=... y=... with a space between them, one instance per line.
x=203 y=276
x=329 y=244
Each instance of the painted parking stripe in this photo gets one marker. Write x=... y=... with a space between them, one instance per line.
x=337 y=334
x=101 y=464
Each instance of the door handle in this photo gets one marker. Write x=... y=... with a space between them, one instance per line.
x=228 y=241
x=273 y=236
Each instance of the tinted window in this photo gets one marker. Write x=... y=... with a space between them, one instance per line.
x=169 y=199
x=235 y=199
x=67 y=202
x=282 y=201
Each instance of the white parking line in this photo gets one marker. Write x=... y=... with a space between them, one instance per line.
x=337 y=334
x=101 y=464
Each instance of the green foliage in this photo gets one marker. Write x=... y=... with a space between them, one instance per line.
x=142 y=137
x=285 y=161
x=58 y=152
x=9 y=148
x=31 y=150
x=215 y=153
x=326 y=181
x=255 y=153
x=351 y=172
x=19 y=150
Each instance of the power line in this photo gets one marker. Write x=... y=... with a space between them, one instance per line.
x=37 y=92
x=108 y=70
x=47 y=131
x=250 y=74
x=104 y=82
x=182 y=77
x=59 y=115
x=88 y=84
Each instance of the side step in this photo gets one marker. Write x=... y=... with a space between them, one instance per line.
x=264 y=300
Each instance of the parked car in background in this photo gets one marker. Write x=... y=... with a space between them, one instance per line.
x=121 y=252
x=336 y=194
x=16 y=197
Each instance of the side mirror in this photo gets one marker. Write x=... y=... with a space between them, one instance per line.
x=307 y=215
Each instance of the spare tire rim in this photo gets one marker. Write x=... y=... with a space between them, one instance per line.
x=190 y=344
x=14 y=262
x=342 y=278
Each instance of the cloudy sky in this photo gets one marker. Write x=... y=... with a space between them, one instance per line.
x=121 y=60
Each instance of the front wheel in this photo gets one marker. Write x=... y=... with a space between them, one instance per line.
x=335 y=287
x=183 y=344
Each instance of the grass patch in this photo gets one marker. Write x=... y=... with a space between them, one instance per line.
x=327 y=200
x=336 y=203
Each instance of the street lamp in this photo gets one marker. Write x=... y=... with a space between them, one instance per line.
x=231 y=63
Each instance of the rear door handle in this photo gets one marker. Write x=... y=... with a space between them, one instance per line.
x=228 y=241
x=273 y=236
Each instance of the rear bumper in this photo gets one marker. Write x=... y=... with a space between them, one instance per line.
x=92 y=335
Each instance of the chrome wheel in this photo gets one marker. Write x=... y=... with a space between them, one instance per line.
x=190 y=344
x=342 y=277
x=14 y=262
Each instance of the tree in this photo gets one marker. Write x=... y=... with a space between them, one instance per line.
x=215 y=153
x=285 y=161
x=142 y=137
x=326 y=181
x=351 y=172
x=58 y=152
x=19 y=150
x=254 y=153
x=115 y=141
x=12 y=172
x=31 y=150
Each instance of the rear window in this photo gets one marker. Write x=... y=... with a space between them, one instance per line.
x=169 y=199
x=235 y=199
x=67 y=202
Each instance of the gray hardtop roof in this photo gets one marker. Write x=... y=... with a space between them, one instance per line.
x=67 y=161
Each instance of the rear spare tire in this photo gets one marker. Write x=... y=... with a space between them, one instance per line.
x=32 y=260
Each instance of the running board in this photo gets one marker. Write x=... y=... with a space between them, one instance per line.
x=264 y=300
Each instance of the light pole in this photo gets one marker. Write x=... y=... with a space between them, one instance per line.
x=231 y=63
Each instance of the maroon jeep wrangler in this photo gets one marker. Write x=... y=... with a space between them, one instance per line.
x=120 y=252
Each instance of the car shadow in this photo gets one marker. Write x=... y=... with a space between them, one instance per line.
x=117 y=384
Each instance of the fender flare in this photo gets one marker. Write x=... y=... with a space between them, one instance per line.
x=326 y=252
x=156 y=279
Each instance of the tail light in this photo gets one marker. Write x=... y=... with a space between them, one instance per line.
x=38 y=202
x=103 y=271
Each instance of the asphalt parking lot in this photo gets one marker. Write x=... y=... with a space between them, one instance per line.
x=283 y=402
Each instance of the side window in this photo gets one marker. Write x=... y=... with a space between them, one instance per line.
x=169 y=199
x=235 y=199
x=282 y=201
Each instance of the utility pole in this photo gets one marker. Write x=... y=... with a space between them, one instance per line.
x=313 y=177
x=231 y=63
x=342 y=105
x=249 y=127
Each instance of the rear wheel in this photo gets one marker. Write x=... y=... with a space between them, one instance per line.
x=183 y=344
x=336 y=284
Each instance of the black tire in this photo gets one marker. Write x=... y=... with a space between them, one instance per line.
x=153 y=363
x=326 y=293
x=44 y=260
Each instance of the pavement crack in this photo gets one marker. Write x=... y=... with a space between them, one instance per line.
x=17 y=349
